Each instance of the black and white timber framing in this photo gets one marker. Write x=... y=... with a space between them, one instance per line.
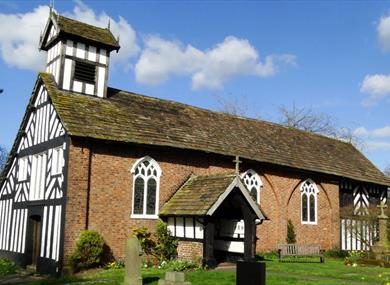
x=357 y=231
x=34 y=189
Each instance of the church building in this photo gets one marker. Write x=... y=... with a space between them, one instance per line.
x=88 y=156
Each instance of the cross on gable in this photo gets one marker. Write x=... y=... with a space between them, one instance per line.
x=237 y=161
x=382 y=206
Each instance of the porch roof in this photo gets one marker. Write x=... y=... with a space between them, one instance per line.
x=202 y=195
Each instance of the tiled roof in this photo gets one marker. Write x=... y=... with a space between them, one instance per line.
x=99 y=36
x=197 y=195
x=133 y=118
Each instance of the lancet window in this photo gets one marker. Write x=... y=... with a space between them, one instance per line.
x=146 y=185
x=309 y=192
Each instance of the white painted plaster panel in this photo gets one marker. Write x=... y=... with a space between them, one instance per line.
x=92 y=53
x=230 y=246
x=198 y=230
x=171 y=225
x=77 y=86
x=189 y=228
x=101 y=81
x=179 y=227
x=103 y=56
x=69 y=47
x=80 y=51
x=89 y=88
x=67 y=72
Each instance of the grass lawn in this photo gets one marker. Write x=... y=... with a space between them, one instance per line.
x=332 y=272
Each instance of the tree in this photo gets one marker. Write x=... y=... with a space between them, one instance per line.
x=291 y=237
x=386 y=171
x=236 y=106
x=307 y=120
x=320 y=123
x=3 y=157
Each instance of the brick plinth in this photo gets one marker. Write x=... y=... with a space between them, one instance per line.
x=190 y=250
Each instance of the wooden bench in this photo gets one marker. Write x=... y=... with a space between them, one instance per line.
x=306 y=250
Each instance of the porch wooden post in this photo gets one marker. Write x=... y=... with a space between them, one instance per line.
x=208 y=249
x=250 y=237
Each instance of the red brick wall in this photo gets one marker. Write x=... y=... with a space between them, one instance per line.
x=188 y=250
x=75 y=216
x=111 y=194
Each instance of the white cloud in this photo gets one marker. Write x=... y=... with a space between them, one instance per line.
x=121 y=28
x=383 y=30
x=377 y=86
x=210 y=69
x=19 y=37
x=377 y=145
x=379 y=133
x=19 y=48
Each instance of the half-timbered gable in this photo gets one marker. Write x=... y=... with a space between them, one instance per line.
x=32 y=193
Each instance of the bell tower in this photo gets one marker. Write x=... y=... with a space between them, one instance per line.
x=78 y=54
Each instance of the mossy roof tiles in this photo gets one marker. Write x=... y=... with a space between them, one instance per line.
x=101 y=37
x=89 y=32
x=197 y=195
x=133 y=118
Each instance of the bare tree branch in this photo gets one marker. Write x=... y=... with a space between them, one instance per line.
x=307 y=120
x=386 y=171
x=237 y=106
x=3 y=157
x=319 y=123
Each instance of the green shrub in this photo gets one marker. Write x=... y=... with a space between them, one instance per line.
x=145 y=239
x=7 y=267
x=161 y=245
x=337 y=253
x=269 y=255
x=291 y=237
x=166 y=245
x=89 y=251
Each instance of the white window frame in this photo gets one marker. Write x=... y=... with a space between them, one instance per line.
x=22 y=168
x=157 y=178
x=309 y=188
x=57 y=160
x=251 y=183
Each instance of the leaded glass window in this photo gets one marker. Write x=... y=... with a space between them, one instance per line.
x=147 y=174
x=309 y=192
x=253 y=183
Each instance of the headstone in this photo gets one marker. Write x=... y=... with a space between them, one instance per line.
x=133 y=262
x=382 y=248
x=174 y=278
x=250 y=273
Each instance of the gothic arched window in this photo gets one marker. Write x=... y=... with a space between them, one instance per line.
x=309 y=193
x=253 y=183
x=146 y=184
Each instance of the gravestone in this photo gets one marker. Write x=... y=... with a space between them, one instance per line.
x=250 y=273
x=174 y=278
x=382 y=248
x=133 y=262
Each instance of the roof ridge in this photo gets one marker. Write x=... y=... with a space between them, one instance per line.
x=83 y=23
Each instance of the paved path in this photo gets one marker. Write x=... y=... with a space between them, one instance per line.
x=19 y=278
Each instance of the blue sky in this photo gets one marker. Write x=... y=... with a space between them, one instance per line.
x=330 y=56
